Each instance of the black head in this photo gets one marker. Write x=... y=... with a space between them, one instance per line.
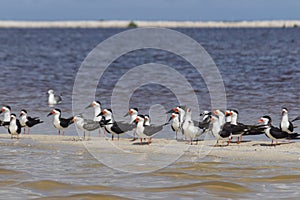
x=98 y=102
x=23 y=110
x=235 y=111
x=205 y=113
x=284 y=111
x=8 y=107
x=58 y=110
x=109 y=110
x=147 y=116
x=182 y=107
x=141 y=116
x=136 y=109
x=268 y=117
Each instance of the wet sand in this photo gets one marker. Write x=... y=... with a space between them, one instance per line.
x=247 y=150
x=64 y=167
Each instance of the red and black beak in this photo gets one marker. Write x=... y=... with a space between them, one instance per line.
x=51 y=113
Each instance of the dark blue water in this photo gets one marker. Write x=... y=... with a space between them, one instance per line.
x=260 y=69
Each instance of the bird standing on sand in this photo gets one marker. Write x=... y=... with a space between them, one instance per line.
x=145 y=130
x=14 y=127
x=274 y=133
x=133 y=113
x=285 y=125
x=97 y=110
x=59 y=122
x=85 y=124
x=189 y=128
x=217 y=131
x=27 y=121
x=53 y=99
x=175 y=123
x=113 y=127
x=181 y=111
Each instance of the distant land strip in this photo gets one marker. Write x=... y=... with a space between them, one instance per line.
x=165 y=24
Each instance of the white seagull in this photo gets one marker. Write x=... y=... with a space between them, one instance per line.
x=97 y=110
x=53 y=99
x=285 y=124
x=85 y=124
x=188 y=127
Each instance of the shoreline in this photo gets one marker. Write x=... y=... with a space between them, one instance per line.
x=247 y=150
x=146 y=24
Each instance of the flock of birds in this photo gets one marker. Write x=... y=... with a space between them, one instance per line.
x=223 y=125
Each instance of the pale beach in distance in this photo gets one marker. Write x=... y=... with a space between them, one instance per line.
x=143 y=24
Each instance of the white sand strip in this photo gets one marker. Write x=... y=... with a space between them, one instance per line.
x=249 y=150
x=166 y=24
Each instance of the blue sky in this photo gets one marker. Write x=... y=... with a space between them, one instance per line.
x=227 y=10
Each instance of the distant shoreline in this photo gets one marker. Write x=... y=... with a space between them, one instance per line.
x=162 y=24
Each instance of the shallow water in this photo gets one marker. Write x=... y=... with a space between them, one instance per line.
x=260 y=69
x=35 y=169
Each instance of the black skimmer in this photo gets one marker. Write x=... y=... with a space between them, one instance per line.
x=6 y=110
x=145 y=130
x=231 y=128
x=27 y=121
x=97 y=110
x=53 y=99
x=133 y=113
x=189 y=128
x=275 y=133
x=286 y=125
x=14 y=127
x=113 y=127
x=59 y=122
x=237 y=129
x=217 y=131
x=85 y=124
x=175 y=122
